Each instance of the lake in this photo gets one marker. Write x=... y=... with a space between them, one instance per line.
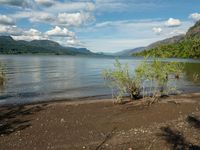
x=45 y=78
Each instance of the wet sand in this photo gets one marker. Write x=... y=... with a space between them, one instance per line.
x=173 y=123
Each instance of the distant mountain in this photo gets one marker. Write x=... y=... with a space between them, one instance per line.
x=194 y=31
x=10 y=46
x=129 y=52
x=187 y=46
x=171 y=40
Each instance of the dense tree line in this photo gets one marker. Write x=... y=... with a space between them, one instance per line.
x=187 y=48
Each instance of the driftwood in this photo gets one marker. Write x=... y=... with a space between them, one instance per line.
x=108 y=136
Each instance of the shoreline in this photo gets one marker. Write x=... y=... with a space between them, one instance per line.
x=82 y=100
x=60 y=100
x=100 y=124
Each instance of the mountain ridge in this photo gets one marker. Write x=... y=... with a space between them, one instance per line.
x=10 y=46
x=187 y=46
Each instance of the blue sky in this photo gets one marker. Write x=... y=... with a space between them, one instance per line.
x=99 y=25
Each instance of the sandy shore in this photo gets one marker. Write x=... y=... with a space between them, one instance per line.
x=173 y=123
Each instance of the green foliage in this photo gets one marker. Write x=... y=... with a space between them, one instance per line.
x=158 y=77
x=187 y=48
x=121 y=80
x=150 y=78
x=2 y=75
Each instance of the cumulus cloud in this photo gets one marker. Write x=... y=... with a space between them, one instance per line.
x=32 y=32
x=195 y=16
x=72 y=6
x=10 y=30
x=18 y=3
x=46 y=3
x=21 y=34
x=73 y=19
x=59 y=32
x=73 y=42
x=41 y=17
x=171 y=22
x=27 y=38
x=5 y=20
x=157 y=30
x=64 y=19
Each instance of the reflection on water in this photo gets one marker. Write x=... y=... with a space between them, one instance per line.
x=39 y=78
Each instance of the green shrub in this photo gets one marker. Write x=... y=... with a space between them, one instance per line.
x=161 y=76
x=121 y=80
x=2 y=75
x=152 y=79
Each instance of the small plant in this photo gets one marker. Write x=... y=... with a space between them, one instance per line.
x=158 y=78
x=2 y=75
x=122 y=81
x=196 y=77
x=152 y=79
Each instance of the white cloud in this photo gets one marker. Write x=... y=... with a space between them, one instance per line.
x=10 y=30
x=21 y=34
x=18 y=3
x=73 y=42
x=195 y=16
x=128 y=34
x=157 y=30
x=32 y=32
x=71 y=7
x=28 y=35
x=41 y=17
x=5 y=20
x=61 y=19
x=171 y=22
x=46 y=3
x=59 y=32
x=73 y=19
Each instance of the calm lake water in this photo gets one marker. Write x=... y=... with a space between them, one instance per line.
x=43 y=78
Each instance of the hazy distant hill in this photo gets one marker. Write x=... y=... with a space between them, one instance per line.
x=10 y=46
x=187 y=46
x=129 y=52
x=171 y=40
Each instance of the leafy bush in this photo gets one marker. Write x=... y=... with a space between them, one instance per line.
x=158 y=78
x=121 y=80
x=152 y=79
x=2 y=75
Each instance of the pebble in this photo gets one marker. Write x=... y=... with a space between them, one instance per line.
x=62 y=120
x=123 y=133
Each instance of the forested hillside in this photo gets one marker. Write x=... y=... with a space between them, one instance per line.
x=187 y=47
x=10 y=46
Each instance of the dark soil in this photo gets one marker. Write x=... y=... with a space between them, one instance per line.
x=173 y=123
